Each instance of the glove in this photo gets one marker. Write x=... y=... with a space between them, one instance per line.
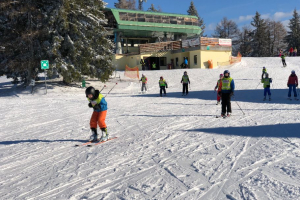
x=296 y=85
x=231 y=94
x=287 y=85
x=90 y=105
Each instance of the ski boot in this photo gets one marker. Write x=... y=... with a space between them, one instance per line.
x=104 y=136
x=228 y=114
x=218 y=102
x=223 y=115
x=94 y=137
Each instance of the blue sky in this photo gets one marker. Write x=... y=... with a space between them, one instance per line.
x=241 y=11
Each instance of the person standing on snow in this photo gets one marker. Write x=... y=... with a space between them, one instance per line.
x=292 y=84
x=185 y=83
x=266 y=81
x=163 y=85
x=291 y=51
x=283 y=60
x=98 y=103
x=227 y=91
x=144 y=82
x=219 y=89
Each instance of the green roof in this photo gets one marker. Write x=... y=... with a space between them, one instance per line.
x=145 y=23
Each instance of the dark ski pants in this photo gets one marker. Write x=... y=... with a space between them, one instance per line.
x=283 y=62
x=185 y=88
x=162 y=88
x=226 y=103
x=144 y=86
x=292 y=87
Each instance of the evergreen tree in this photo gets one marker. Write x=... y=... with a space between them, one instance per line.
x=193 y=11
x=293 y=36
x=153 y=9
x=126 y=4
x=244 y=41
x=260 y=37
x=68 y=33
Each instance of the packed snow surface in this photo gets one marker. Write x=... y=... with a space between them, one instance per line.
x=171 y=147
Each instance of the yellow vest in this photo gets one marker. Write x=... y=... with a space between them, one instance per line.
x=162 y=82
x=144 y=80
x=185 y=79
x=226 y=83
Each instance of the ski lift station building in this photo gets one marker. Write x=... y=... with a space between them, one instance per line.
x=164 y=39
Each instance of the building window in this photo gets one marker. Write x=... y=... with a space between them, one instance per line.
x=195 y=59
x=163 y=61
x=176 y=61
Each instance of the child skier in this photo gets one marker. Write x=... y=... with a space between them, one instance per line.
x=185 y=82
x=98 y=103
x=283 y=60
x=292 y=84
x=226 y=92
x=266 y=81
x=144 y=82
x=163 y=85
x=219 y=89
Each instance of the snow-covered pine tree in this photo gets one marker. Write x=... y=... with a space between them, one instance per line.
x=193 y=11
x=260 y=38
x=293 y=36
x=68 y=33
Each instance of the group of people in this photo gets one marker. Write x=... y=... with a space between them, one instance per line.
x=225 y=90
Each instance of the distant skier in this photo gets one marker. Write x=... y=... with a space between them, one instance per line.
x=292 y=84
x=283 y=60
x=291 y=51
x=144 y=83
x=163 y=85
x=266 y=81
x=227 y=91
x=264 y=70
x=185 y=83
x=98 y=103
x=219 y=89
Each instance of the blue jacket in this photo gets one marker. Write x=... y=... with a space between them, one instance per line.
x=101 y=104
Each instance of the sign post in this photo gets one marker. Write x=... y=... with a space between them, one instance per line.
x=44 y=66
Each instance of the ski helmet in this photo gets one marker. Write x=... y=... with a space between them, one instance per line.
x=264 y=67
x=226 y=71
x=293 y=72
x=184 y=72
x=161 y=77
x=221 y=75
x=90 y=90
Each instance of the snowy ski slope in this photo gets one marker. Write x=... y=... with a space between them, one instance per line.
x=169 y=147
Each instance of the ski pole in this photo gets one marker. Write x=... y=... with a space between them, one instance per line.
x=103 y=88
x=110 y=90
x=240 y=107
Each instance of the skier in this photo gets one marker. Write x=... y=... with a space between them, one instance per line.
x=226 y=88
x=142 y=62
x=219 y=89
x=144 y=82
x=264 y=70
x=292 y=84
x=283 y=60
x=98 y=103
x=185 y=82
x=291 y=51
x=266 y=81
x=163 y=85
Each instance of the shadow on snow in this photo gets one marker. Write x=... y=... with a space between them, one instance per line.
x=252 y=96
x=276 y=130
x=36 y=141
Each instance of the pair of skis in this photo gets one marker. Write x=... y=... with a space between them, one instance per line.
x=91 y=144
